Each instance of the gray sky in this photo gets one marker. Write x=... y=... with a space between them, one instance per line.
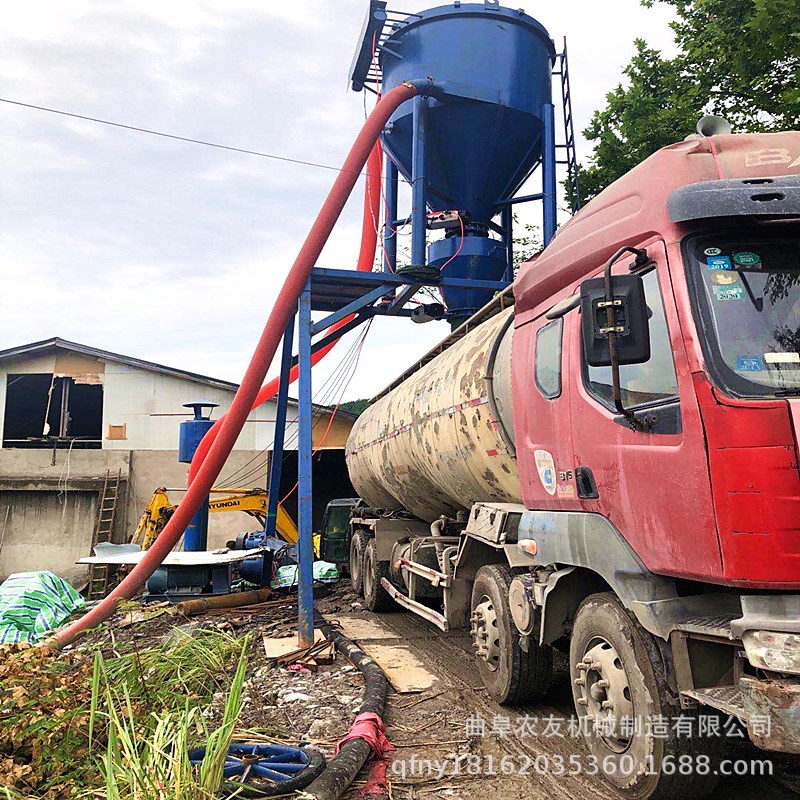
x=174 y=252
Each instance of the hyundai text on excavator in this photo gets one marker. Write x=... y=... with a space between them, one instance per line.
x=610 y=467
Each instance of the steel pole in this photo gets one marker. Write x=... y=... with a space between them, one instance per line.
x=305 y=545
x=276 y=464
x=418 y=181
x=390 y=236
x=549 y=204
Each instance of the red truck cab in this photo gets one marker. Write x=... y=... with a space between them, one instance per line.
x=707 y=488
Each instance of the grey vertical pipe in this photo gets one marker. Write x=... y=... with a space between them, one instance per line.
x=390 y=237
x=418 y=181
x=549 y=205
x=305 y=546
x=276 y=464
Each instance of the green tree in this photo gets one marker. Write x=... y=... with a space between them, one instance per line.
x=356 y=407
x=739 y=59
x=745 y=57
x=658 y=107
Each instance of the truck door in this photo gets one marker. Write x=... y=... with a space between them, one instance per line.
x=541 y=414
x=652 y=484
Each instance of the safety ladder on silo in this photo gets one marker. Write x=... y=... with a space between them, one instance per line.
x=570 y=157
x=103 y=532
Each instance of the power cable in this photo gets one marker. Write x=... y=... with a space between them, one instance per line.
x=237 y=475
x=174 y=136
x=325 y=393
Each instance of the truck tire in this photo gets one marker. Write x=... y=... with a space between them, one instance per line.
x=613 y=659
x=357 y=542
x=510 y=674
x=376 y=598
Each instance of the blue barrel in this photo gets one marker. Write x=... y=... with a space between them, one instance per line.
x=486 y=137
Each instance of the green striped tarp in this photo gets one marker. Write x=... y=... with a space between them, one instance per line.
x=33 y=603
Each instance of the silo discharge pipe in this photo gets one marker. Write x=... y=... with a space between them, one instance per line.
x=254 y=376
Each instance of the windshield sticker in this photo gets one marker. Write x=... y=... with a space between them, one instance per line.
x=719 y=262
x=729 y=292
x=747 y=259
x=725 y=278
x=749 y=364
x=546 y=467
x=712 y=251
x=782 y=358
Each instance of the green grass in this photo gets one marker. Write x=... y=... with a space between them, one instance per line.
x=120 y=726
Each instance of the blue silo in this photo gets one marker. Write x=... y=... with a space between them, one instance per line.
x=487 y=126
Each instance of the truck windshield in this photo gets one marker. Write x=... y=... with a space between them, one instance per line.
x=747 y=291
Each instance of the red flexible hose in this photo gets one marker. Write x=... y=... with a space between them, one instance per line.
x=366 y=258
x=254 y=376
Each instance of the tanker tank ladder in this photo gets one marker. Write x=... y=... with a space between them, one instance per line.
x=103 y=532
x=570 y=159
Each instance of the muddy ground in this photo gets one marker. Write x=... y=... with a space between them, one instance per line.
x=430 y=729
x=436 y=731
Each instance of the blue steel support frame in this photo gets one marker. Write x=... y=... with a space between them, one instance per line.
x=507 y=224
x=276 y=464
x=390 y=235
x=419 y=180
x=305 y=545
x=549 y=201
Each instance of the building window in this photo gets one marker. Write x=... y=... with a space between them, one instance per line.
x=548 y=359
x=45 y=411
x=642 y=384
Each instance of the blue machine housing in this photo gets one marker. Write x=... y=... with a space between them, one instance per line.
x=483 y=128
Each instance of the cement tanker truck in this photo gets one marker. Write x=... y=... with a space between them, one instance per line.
x=605 y=462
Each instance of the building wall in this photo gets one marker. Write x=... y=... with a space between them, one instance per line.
x=52 y=495
x=53 y=506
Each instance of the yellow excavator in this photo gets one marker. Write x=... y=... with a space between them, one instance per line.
x=251 y=501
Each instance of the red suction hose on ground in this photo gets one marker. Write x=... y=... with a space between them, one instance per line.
x=265 y=350
x=366 y=258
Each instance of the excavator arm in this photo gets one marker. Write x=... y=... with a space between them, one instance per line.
x=251 y=501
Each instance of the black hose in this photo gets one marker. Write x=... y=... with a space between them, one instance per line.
x=346 y=764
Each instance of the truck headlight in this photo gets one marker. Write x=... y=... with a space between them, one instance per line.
x=777 y=652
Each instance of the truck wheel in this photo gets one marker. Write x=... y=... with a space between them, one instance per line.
x=509 y=673
x=376 y=598
x=618 y=674
x=357 y=541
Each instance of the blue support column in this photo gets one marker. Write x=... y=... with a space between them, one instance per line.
x=276 y=463
x=507 y=223
x=389 y=237
x=305 y=545
x=418 y=181
x=549 y=205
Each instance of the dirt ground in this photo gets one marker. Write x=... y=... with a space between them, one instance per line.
x=434 y=730
x=440 y=749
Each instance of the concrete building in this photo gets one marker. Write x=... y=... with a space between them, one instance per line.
x=71 y=414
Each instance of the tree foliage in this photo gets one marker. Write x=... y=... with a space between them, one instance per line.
x=739 y=59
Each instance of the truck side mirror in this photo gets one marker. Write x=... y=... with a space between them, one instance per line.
x=622 y=336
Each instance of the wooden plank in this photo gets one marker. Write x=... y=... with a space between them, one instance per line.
x=277 y=648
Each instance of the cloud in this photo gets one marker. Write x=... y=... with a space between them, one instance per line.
x=174 y=252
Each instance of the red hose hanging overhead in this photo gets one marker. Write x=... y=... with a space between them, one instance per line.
x=254 y=376
x=366 y=258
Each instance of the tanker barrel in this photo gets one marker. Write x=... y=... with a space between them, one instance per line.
x=443 y=439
